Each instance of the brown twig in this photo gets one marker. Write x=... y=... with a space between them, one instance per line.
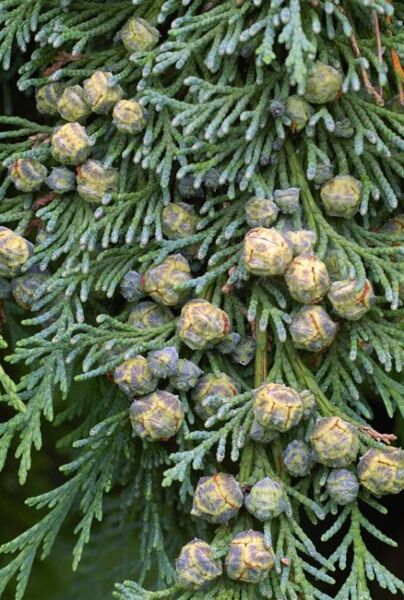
x=364 y=74
x=375 y=21
x=397 y=67
x=386 y=438
x=62 y=58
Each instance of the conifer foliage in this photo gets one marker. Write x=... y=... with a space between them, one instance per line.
x=201 y=228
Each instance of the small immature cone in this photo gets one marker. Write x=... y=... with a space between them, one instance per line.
x=230 y=343
x=277 y=406
x=244 y=351
x=72 y=105
x=297 y=458
x=164 y=363
x=131 y=288
x=349 y=303
x=25 y=286
x=101 y=92
x=342 y=486
x=217 y=498
x=129 y=116
x=323 y=83
x=249 y=558
x=381 y=471
x=47 y=97
x=146 y=315
x=161 y=282
x=14 y=252
x=299 y=112
x=266 y=252
x=288 y=200
x=94 y=181
x=261 y=212
x=202 y=324
x=335 y=442
x=157 y=417
x=341 y=196
x=61 y=180
x=70 y=144
x=186 y=375
x=27 y=174
x=262 y=434
x=394 y=226
x=323 y=173
x=178 y=221
x=196 y=565
x=312 y=329
x=265 y=500
x=134 y=377
x=138 y=35
x=307 y=279
x=302 y=241
x=210 y=385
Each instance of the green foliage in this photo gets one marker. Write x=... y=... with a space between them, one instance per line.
x=216 y=133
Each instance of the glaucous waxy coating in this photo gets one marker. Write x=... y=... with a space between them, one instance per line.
x=341 y=196
x=146 y=315
x=299 y=112
x=134 y=377
x=323 y=83
x=210 y=385
x=265 y=500
x=27 y=174
x=101 y=92
x=287 y=200
x=14 y=252
x=161 y=282
x=342 y=486
x=348 y=302
x=178 y=220
x=335 y=442
x=307 y=279
x=158 y=416
x=94 y=181
x=186 y=376
x=302 y=241
x=381 y=471
x=131 y=288
x=25 y=286
x=202 y=324
x=138 y=35
x=266 y=252
x=312 y=329
x=244 y=351
x=196 y=565
x=70 y=144
x=72 y=105
x=261 y=212
x=164 y=363
x=47 y=97
x=249 y=558
x=61 y=180
x=261 y=434
x=129 y=116
x=230 y=343
x=278 y=406
x=297 y=458
x=217 y=498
